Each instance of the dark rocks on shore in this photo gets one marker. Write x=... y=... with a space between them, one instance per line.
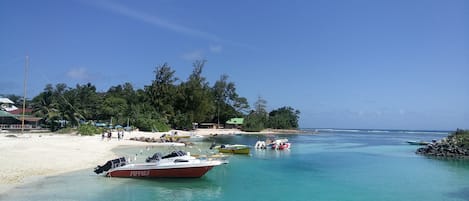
x=157 y=140
x=446 y=148
x=146 y=139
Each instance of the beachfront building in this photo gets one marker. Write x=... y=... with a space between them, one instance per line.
x=234 y=123
x=208 y=125
x=7 y=105
x=11 y=117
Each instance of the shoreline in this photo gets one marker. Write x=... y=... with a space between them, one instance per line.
x=32 y=156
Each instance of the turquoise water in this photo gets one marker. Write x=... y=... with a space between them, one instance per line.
x=332 y=165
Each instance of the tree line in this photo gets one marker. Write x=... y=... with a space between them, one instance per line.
x=167 y=102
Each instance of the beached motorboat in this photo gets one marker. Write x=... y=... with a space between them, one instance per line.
x=175 y=164
x=418 y=142
x=232 y=148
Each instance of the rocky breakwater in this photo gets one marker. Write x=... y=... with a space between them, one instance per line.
x=456 y=145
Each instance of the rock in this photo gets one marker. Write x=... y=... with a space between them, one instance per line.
x=445 y=149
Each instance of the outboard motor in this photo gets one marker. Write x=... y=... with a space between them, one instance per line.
x=213 y=145
x=110 y=164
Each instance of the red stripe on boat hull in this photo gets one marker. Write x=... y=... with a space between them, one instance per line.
x=192 y=172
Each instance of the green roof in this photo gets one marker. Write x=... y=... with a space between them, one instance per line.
x=6 y=114
x=236 y=121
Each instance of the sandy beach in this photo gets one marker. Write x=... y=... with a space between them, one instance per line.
x=32 y=156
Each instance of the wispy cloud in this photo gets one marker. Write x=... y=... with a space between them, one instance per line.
x=194 y=55
x=162 y=23
x=215 y=48
x=80 y=74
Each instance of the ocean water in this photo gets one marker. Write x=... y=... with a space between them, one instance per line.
x=334 y=165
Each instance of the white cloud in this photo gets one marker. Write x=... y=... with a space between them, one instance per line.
x=154 y=20
x=79 y=74
x=162 y=23
x=194 y=55
x=215 y=48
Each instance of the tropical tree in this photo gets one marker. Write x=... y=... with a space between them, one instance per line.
x=115 y=108
x=45 y=106
x=227 y=101
x=161 y=91
x=69 y=105
x=195 y=98
x=284 y=118
x=88 y=101
x=257 y=120
x=160 y=104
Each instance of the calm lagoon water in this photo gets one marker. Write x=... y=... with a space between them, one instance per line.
x=334 y=166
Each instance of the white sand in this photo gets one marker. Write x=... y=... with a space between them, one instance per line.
x=32 y=156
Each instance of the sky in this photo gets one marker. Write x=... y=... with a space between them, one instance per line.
x=391 y=64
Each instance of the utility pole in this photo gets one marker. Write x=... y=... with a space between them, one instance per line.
x=24 y=95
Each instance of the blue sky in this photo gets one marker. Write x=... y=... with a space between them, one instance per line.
x=344 y=64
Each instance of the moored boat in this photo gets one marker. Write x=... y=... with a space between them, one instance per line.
x=418 y=142
x=232 y=148
x=278 y=144
x=281 y=145
x=176 y=164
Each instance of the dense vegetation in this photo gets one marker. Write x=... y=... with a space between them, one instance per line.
x=167 y=102
x=460 y=137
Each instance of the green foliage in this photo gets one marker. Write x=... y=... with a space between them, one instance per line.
x=159 y=106
x=227 y=101
x=116 y=108
x=257 y=120
x=197 y=100
x=86 y=129
x=182 y=121
x=254 y=123
x=461 y=137
x=162 y=90
x=284 y=118
x=146 y=124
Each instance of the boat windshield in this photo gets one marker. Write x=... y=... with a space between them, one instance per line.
x=175 y=154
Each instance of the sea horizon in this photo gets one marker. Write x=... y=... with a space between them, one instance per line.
x=377 y=130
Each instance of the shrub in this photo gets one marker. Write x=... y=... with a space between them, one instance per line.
x=461 y=137
x=146 y=124
x=86 y=129
x=253 y=123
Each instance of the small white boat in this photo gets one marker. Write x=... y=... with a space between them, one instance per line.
x=278 y=144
